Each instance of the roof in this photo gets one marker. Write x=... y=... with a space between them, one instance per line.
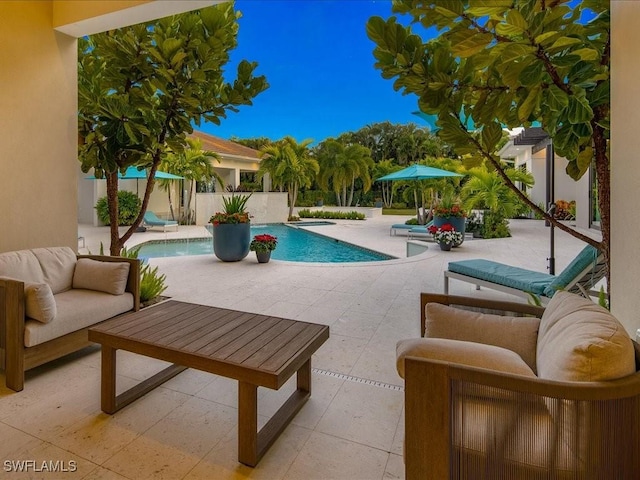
x=225 y=147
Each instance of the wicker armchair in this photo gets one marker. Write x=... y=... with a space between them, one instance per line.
x=467 y=421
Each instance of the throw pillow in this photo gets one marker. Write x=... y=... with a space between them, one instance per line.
x=582 y=342
x=519 y=334
x=108 y=277
x=39 y=302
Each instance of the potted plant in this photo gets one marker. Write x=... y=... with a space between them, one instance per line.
x=448 y=211
x=446 y=236
x=263 y=245
x=231 y=229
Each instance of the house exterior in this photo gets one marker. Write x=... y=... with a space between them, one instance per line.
x=234 y=160
x=531 y=150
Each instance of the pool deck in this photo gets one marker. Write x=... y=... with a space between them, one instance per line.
x=352 y=427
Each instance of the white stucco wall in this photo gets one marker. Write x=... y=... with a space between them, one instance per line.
x=625 y=174
x=264 y=207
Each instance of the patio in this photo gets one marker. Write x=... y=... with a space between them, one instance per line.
x=352 y=426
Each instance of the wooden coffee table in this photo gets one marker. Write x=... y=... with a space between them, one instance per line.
x=256 y=350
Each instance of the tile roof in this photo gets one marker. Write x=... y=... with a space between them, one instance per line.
x=224 y=147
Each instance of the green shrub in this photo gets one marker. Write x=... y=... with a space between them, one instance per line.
x=411 y=221
x=331 y=215
x=128 y=208
x=152 y=284
x=495 y=226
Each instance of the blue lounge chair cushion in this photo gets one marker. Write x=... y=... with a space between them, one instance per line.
x=402 y=226
x=514 y=277
x=151 y=218
x=588 y=257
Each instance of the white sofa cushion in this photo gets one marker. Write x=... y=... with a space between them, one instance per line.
x=58 y=264
x=519 y=334
x=39 y=302
x=108 y=277
x=22 y=265
x=582 y=342
x=77 y=309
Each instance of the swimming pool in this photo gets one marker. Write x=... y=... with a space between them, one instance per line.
x=294 y=245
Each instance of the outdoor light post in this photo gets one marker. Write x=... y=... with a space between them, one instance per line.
x=552 y=258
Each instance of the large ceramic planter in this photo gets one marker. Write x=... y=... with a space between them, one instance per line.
x=231 y=241
x=457 y=222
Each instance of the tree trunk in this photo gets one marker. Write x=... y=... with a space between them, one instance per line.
x=112 y=202
x=293 y=194
x=353 y=184
x=603 y=176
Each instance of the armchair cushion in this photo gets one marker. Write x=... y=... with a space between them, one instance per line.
x=21 y=265
x=40 y=304
x=518 y=334
x=582 y=342
x=108 y=277
x=461 y=352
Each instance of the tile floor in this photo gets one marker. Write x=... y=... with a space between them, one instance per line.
x=351 y=428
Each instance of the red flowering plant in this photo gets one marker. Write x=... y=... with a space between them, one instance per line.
x=447 y=211
x=446 y=234
x=263 y=243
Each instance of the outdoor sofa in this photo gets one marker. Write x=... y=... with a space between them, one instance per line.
x=521 y=392
x=49 y=297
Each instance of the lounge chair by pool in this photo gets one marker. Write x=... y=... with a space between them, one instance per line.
x=151 y=220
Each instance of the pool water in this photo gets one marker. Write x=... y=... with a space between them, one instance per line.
x=294 y=245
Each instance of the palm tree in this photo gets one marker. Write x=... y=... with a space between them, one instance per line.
x=486 y=189
x=342 y=165
x=385 y=167
x=194 y=164
x=290 y=166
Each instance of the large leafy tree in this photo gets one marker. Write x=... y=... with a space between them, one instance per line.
x=290 y=166
x=142 y=87
x=341 y=165
x=508 y=63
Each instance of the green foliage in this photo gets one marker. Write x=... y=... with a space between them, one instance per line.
x=235 y=204
x=498 y=64
x=412 y=221
x=603 y=299
x=290 y=166
x=475 y=224
x=128 y=208
x=141 y=89
x=331 y=215
x=152 y=284
x=495 y=225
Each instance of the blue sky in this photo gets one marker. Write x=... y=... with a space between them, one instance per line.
x=318 y=61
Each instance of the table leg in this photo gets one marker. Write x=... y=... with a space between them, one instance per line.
x=247 y=424
x=108 y=388
x=252 y=445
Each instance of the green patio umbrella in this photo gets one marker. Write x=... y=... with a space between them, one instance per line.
x=418 y=172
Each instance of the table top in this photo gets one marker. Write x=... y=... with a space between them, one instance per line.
x=250 y=347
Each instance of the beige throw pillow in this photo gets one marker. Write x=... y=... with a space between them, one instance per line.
x=582 y=342
x=463 y=353
x=518 y=334
x=39 y=302
x=108 y=277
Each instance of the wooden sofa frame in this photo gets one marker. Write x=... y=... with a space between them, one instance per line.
x=15 y=358
x=431 y=386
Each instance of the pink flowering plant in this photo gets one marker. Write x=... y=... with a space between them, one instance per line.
x=446 y=234
x=263 y=243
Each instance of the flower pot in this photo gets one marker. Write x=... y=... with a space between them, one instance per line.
x=263 y=257
x=231 y=241
x=458 y=223
x=445 y=246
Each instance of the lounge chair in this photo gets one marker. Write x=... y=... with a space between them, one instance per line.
x=399 y=226
x=580 y=276
x=151 y=220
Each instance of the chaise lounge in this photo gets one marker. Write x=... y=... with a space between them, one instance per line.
x=580 y=276
x=152 y=220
